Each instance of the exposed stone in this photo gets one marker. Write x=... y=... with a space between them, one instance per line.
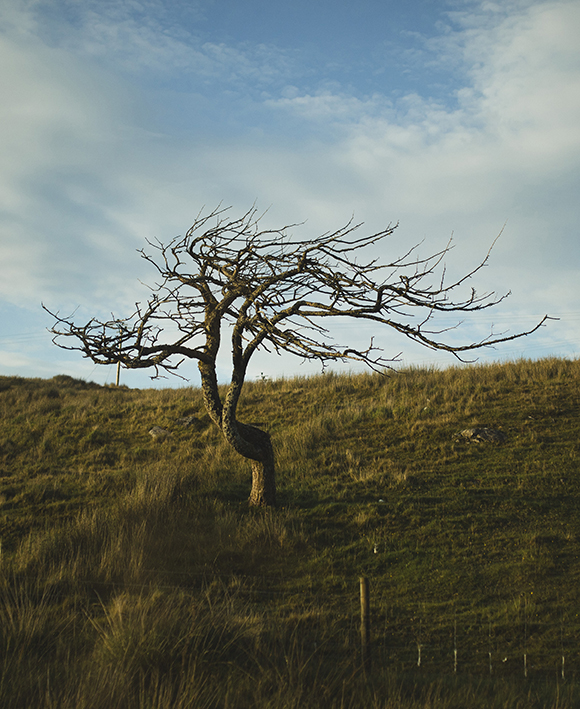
x=158 y=433
x=190 y=422
x=483 y=435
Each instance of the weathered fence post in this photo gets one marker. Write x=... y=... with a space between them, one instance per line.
x=455 y=645
x=525 y=638
x=490 y=646
x=365 y=623
x=562 y=646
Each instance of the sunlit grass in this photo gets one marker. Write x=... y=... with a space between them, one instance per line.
x=133 y=573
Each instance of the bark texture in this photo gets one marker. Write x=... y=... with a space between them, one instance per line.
x=263 y=492
x=250 y=442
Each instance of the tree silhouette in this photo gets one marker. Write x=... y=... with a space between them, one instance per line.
x=272 y=292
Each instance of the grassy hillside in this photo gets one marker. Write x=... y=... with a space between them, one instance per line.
x=133 y=573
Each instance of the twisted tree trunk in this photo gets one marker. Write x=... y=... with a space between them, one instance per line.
x=263 y=492
x=250 y=442
x=256 y=445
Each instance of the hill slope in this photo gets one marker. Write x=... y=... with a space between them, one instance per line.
x=133 y=570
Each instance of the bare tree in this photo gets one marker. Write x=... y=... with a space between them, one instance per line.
x=273 y=292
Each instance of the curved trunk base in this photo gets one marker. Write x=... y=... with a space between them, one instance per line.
x=263 y=492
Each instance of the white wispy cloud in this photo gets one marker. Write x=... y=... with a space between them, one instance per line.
x=64 y=128
x=509 y=151
x=87 y=172
x=142 y=40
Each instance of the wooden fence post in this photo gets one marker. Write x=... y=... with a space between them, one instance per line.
x=365 y=623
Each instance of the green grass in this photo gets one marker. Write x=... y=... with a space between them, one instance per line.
x=133 y=573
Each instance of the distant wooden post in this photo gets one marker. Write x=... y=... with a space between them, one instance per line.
x=365 y=623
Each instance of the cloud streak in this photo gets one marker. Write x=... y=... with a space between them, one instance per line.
x=92 y=164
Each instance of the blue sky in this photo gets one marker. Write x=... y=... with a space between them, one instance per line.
x=121 y=119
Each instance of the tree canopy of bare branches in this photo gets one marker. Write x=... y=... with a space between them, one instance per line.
x=272 y=291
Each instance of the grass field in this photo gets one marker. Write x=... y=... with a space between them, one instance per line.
x=133 y=573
